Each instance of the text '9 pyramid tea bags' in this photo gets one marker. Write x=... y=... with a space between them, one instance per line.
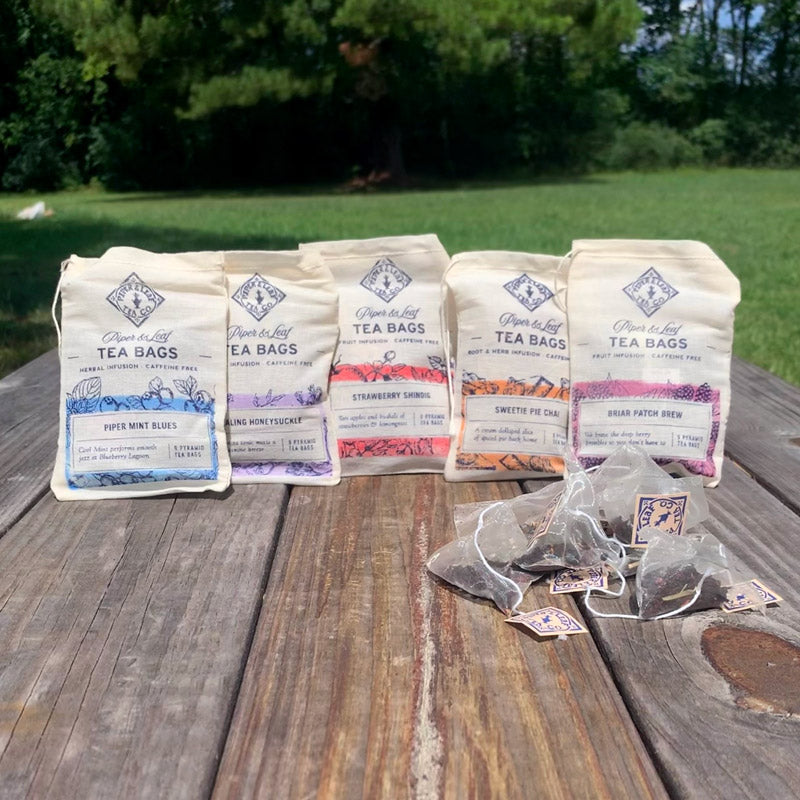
x=143 y=380
x=651 y=332
x=389 y=381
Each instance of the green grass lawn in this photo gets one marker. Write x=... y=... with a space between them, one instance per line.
x=751 y=218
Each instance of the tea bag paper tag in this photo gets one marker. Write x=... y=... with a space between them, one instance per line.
x=749 y=594
x=577 y=580
x=664 y=512
x=543 y=525
x=549 y=621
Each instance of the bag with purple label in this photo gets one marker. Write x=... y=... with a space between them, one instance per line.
x=282 y=331
x=651 y=330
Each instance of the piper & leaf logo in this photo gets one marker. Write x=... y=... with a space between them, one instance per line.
x=135 y=299
x=529 y=292
x=258 y=296
x=650 y=292
x=386 y=280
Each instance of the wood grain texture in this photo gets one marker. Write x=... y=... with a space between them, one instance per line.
x=707 y=740
x=370 y=678
x=124 y=628
x=764 y=430
x=28 y=435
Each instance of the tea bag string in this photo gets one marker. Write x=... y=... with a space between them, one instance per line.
x=560 y=281
x=56 y=297
x=486 y=564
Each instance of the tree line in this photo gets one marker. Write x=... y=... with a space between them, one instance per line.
x=221 y=93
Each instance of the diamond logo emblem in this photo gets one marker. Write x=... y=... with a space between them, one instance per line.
x=650 y=292
x=258 y=296
x=529 y=292
x=135 y=299
x=386 y=280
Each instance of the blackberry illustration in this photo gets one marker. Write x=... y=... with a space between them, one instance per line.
x=703 y=393
x=599 y=390
x=685 y=392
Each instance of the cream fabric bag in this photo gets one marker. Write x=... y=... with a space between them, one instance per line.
x=143 y=381
x=282 y=331
x=651 y=332
x=389 y=382
x=511 y=376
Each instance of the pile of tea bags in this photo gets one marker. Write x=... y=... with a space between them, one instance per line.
x=626 y=517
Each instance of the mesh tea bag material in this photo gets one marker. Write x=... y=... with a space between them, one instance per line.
x=511 y=376
x=143 y=378
x=480 y=560
x=282 y=331
x=388 y=381
x=651 y=330
x=633 y=492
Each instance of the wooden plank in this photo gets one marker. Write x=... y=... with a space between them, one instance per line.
x=124 y=628
x=764 y=430
x=708 y=734
x=28 y=435
x=368 y=678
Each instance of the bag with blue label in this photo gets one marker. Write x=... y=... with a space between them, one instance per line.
x=651 y=332
x=143 y=375
x=282 y=332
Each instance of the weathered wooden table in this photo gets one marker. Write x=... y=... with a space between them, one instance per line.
x=290 y=643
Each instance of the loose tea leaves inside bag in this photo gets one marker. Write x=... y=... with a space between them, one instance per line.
x=282 y=331
x=480 y=560
x=651 y=329
x=633 y=492
x=510 y=383
x=389 y=380
x=679 y=573
x=143 y=378
x=569 y=533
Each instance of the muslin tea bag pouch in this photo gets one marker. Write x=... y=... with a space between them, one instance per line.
x=282 y=331
x=510 y=383
x=651 y=330
x=480 y=560
x=143 y=375
x=388 y=383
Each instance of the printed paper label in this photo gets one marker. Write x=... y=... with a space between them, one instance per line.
x=549 y=622
x=749 y=594
x=664 y=512
x=578 y=580
x=139 y=440
x=527 y=425
x=276 y=434
x=390 y=410
x=664 y=428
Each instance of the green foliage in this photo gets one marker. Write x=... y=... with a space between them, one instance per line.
x=649 y=145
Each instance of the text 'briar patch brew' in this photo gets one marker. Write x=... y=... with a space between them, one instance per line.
x=282 y=332
x=651 y=330
x=389 y=379
x=143 y=382
x=511 y=373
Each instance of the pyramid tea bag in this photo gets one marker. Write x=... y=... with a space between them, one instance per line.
x=389 y=381
x=651 y=329
x=282 y=331
x=510 y=384
x=143 y=378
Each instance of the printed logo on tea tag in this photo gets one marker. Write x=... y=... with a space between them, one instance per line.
x=386 y=280
x=258 y=296
x=666 y=512
x=650 y=292
x=529 y=292
x=577 y=580
x=549 y=622
x=749 y=595
x=135 y=299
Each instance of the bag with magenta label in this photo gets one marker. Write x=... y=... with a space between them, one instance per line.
x=651 y=332
x=143 y=378
x=388 y=382
x=510 y=384
x=282 y=331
